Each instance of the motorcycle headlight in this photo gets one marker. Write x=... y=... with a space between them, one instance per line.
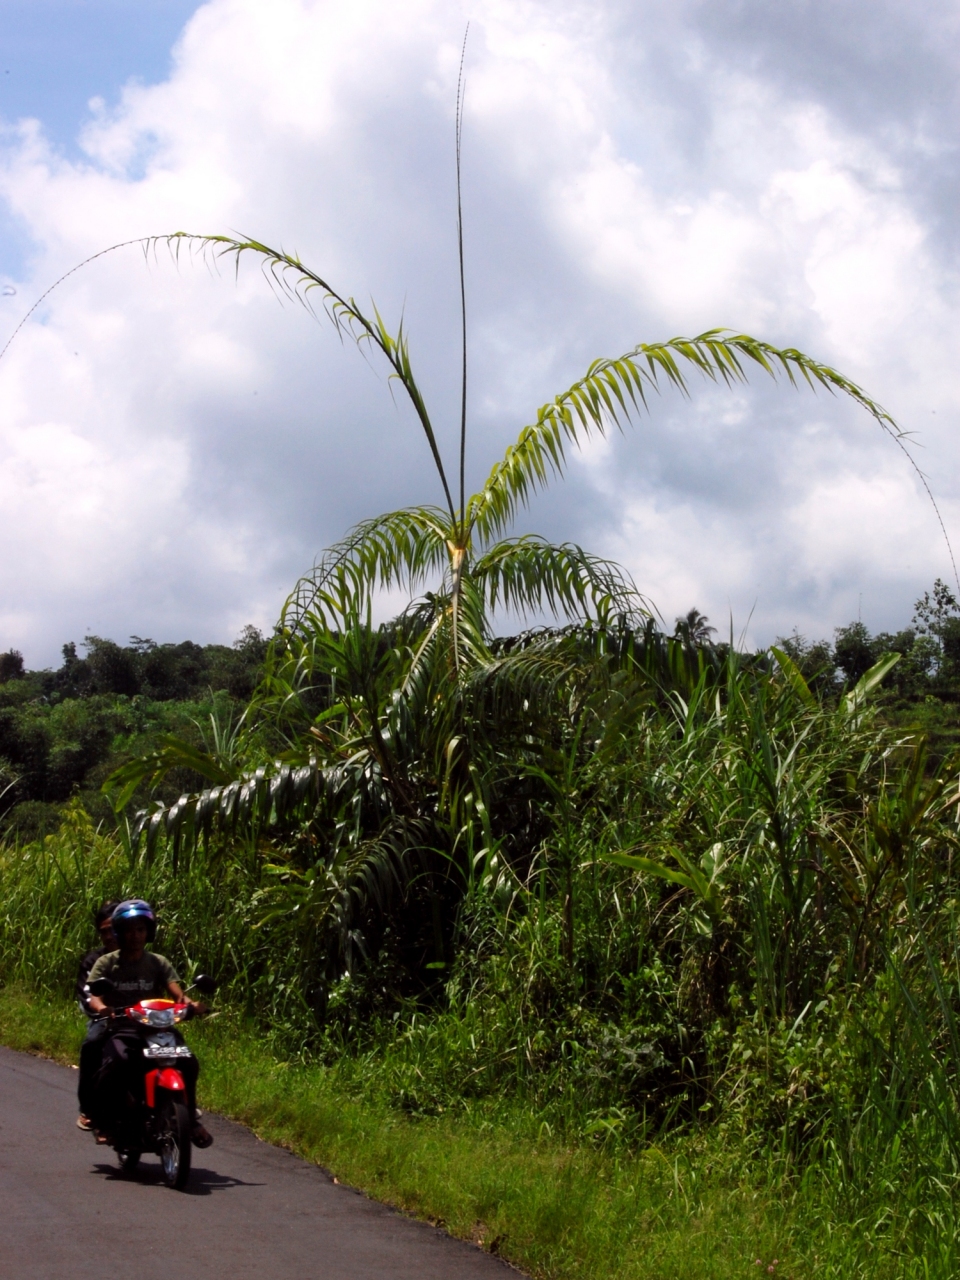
x=154 y=1013
x=161 y=1017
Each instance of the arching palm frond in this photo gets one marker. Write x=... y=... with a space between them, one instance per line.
x=403 y=548
x=530 y=575
x=513 y=682
x=611 y=392
x=291 y=278
x=325 y=902
x=267 y=796
x=614 y=391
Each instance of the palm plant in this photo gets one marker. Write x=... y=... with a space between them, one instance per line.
x=464 y=542
x=385 y=728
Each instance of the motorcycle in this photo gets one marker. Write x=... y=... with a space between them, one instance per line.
x=159 y=1119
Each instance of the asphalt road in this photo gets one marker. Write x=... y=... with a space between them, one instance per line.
x=249 y=1210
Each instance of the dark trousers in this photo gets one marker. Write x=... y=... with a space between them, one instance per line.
x=121 y=1072
x=91 y=1054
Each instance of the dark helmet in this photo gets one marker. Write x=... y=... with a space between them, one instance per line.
x=134 y=909
x=105 y=913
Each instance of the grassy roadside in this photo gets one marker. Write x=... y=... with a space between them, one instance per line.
x=553 y=1210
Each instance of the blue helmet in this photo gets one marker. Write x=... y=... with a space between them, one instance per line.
x=134 y=909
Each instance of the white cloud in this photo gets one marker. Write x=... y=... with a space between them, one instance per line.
x=175 y=448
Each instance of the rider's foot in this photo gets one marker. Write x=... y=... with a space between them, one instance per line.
x=84 y=1122
x=103 y=1139
x=200 y=1137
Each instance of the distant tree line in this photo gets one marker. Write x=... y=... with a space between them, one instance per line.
x=929 y=649
x=143 y=668
x=62 y=731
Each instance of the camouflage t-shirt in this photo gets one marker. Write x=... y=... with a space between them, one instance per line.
x=143 y=979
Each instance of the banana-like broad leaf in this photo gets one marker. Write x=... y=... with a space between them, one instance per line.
x=855 y=699
x=650 y=867
x=794 y=677
x=703 y=880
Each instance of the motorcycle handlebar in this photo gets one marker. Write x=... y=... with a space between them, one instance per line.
x=194 y=1010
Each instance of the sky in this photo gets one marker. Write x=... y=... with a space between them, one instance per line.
x=177 y=446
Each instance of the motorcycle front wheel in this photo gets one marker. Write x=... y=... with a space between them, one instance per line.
x=174 y=1143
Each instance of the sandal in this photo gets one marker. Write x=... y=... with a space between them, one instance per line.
x=200 y=1137
x=84 y=1122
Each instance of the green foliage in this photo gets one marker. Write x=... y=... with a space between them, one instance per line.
x=793 y=1045
x=402 y=747
x=11 y=665
x=63 y=732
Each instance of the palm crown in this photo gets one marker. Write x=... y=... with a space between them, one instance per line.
x=464 y=542
x=406 y=740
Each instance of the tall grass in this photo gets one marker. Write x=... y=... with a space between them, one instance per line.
x=736 y=943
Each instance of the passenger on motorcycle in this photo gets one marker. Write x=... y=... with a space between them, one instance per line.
x=137 y=974
x=92 y=1047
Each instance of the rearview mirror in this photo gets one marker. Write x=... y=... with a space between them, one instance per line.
x=101 y=987
x=205 y=984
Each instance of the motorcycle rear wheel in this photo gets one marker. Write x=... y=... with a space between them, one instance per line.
x=128 y=1160
x=174 y=1143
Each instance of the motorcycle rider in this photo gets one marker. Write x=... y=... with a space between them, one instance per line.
x=137 y=974
x=92 y=1047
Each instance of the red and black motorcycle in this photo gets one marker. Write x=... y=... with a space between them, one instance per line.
x=158 y=1120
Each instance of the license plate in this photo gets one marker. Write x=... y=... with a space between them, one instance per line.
x=167 y=1051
